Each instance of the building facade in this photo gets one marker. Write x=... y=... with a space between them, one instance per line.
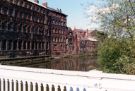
x=69 y=41
x=85 y=41
x=89 y=46
x=27 y=28
x=58 y=27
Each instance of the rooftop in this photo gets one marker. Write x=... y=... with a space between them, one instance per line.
x=49 y=8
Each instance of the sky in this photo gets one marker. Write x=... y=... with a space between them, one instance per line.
x=76 y=11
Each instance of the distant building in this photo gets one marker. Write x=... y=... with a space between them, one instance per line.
x=30 y=29
x=85 y=41
x=69 y=41
x=78 y=35
x=89 y=46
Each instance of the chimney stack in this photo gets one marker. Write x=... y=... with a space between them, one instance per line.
x=36 y=1
x=45 y=4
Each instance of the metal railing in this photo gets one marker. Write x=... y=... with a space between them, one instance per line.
x=13 y=78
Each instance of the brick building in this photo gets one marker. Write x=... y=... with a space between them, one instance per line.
x=69 y=41
x=89 y=46
x=58 y=27
x=78 y=35
x=27 y=28
x=85 y=41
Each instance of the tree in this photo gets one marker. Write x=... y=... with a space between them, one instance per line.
x=117 y=52
x=119 y=21
x=115 y=55
x=101 y=36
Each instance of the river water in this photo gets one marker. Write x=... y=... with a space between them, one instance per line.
x=69 y=63
x=77 y=64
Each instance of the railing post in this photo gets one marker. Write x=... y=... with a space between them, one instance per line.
x=15 y=86
x=65 y=88
x=84 y=89
x=24 y=85
x=34 y=86
x=19 y=85
x=71 y=89
x=53 y=88
x=42 y=87
x=29 y=86
x=1 y=85
x=50 y=87
x=11 y=87
x=78 y=89
x=39 y=86
x=6 y=85
x=59 y=89
x=62 y=88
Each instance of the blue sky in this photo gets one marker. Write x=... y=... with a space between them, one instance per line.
x=75 y=9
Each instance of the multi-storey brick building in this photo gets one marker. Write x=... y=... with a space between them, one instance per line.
x=27 y=28
x=58 y=27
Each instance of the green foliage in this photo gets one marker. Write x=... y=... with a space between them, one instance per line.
x=126 y=64
x=119 y=21
x=117 y=56
x=116 y=52
x=101 y=36
x=108 y=54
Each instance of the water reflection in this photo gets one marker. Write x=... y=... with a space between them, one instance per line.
x=69 y=63
x=78 y=64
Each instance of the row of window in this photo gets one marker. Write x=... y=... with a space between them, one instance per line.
x=58 y=31
x=58 y=39
x=28 y=5
x=57 y=22
x=29 y=14
x=32 y=16
x=11 y=25
x=14 y=45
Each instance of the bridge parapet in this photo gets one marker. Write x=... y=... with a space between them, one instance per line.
x=13 y=78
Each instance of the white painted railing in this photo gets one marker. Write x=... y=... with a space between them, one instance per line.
x=33 y=79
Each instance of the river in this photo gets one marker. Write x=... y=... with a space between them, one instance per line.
x=79 y=63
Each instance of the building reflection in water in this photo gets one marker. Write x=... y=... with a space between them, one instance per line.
x=77 y=64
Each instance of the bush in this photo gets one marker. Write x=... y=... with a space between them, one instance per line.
x=117 y=56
